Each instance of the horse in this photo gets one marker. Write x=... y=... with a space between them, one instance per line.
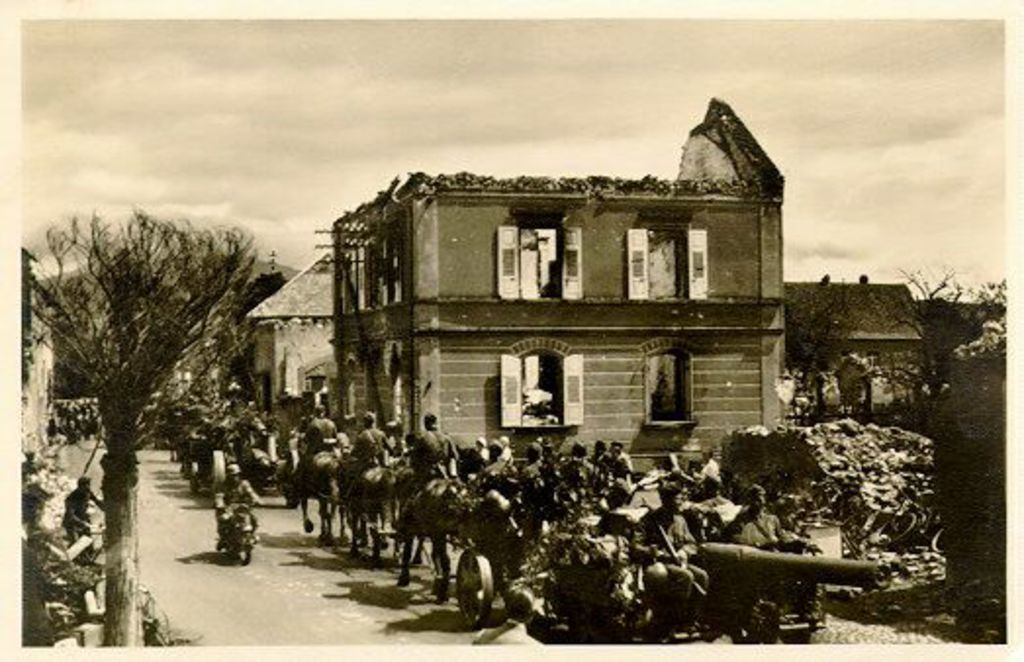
x=318 y=479
x=370 y=495
x=435 y=512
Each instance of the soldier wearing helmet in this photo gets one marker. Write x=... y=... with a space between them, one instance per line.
x=237 y=490
x=675 y=586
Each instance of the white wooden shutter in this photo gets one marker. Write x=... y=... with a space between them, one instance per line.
x=698 y=247
x=508 y=262
x=572 y=264
x=511 y=391
x=292 y=370
x=361 y=285
x=636 y=257
x=572 y=373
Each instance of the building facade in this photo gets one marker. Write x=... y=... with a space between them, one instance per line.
x=37 y=361
x=647 y=311
x=294 y=361
x=866 y=340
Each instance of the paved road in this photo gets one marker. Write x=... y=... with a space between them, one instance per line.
x=292 y=593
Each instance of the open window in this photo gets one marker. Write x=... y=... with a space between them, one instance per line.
x=667 y=263
x=395 y=371
x=538 y=258
x=669 y=387
x=354 y=293
x=541 y=389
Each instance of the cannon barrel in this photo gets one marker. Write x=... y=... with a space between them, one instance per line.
x=745 y=561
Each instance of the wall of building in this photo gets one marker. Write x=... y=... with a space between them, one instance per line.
x=727 y=390
x=463 y=233
x=294 y=345
x=36 y=394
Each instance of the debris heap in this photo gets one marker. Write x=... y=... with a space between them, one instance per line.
x=876 y=482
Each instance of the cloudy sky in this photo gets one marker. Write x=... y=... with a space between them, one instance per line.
x=890 y=134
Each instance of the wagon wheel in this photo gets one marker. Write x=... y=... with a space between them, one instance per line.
x=219 y=469
x=475 y=588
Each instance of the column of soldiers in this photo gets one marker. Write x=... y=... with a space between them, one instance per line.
x=547 y=486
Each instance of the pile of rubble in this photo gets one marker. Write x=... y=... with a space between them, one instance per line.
x=876 y=482
x=42 y=478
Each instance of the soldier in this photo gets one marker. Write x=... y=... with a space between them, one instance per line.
x=369 y=448
x=520 y=610
x=601 y=462
x=320 y=433
x=432 y=452
x=757 y=527
x=76 y=509
x=577 y=473
x=620 y=463
x=472 y=462
x=318 y=429
x=237 y=490
x=715 y=511
x=536 y=494
x=499 y=474
x=674 y=585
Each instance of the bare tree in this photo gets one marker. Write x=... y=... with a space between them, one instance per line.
x=128 y=303
x=945 y=317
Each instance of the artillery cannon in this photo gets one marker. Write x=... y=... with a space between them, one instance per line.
x=753 y=596
x=759 y=596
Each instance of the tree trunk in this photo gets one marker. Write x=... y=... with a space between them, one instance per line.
x=123 y=623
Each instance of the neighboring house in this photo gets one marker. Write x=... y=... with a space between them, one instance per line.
x=868 y=335
x=647 y=311
x=294 y=359
x=36 y=364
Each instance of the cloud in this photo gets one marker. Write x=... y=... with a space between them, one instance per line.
x=883 y=129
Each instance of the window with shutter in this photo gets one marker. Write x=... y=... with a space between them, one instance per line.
x=511 y=391
x=668 y=386
x=572 y=367
x=662 y=262
x=572 y=264
x=698 y=249
x=636 y=249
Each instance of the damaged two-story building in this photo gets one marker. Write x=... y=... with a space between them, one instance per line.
x=647 y=311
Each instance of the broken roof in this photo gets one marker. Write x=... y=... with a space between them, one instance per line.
x=722 y=150
x=750 y=174
x=308 y=294
x=870 y=311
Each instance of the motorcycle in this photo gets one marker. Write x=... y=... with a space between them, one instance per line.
x=237 y=537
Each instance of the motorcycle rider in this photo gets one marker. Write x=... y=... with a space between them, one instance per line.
x=237 y=491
